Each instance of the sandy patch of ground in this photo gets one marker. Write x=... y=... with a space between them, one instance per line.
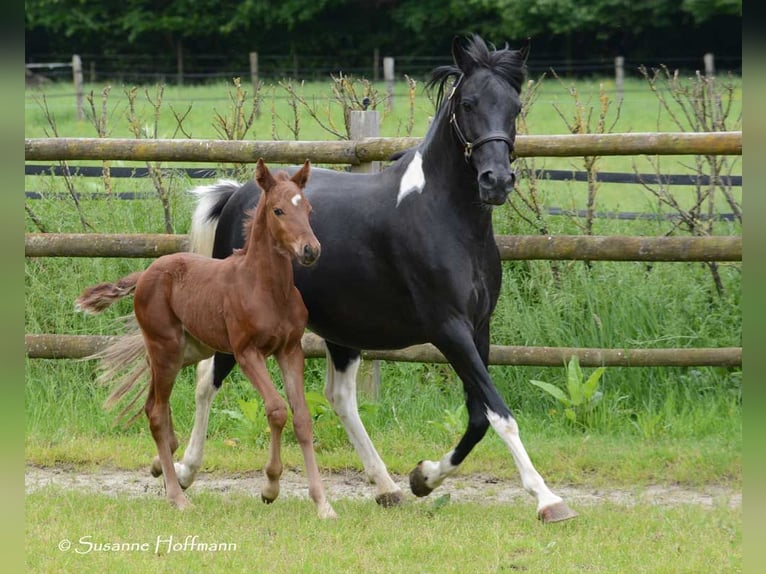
x=353 y=485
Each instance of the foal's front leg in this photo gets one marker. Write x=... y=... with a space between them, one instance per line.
x=253 y=364
x=291 y=362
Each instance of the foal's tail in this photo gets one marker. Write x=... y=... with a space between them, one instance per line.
x=125 y=364
x=97 y=298
x=124 y=361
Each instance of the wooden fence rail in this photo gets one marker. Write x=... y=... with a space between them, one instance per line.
x=512 y=247
x=371 y=148
x=46 y=346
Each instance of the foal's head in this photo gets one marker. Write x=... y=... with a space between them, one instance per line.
x=287 y=212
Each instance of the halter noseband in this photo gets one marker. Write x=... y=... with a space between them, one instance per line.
x=468 y=147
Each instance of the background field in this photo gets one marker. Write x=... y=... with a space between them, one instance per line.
x=653 y=425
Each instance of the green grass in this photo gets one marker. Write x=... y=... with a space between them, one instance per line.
x=421 y=536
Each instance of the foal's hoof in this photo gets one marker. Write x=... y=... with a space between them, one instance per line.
x=389 y=499
x=156 y=468
x=418 y=481
x=266 y=500
x=556 y=513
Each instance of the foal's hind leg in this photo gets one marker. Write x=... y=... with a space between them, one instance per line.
x=291 y=362
x=253 y=364
x=164 y=368
x=205 y=392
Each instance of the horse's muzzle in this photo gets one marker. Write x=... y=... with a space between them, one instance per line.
x=494 y=189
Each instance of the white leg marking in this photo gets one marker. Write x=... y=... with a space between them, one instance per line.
x=413 y=179
x=533 y=483
x=340 y=390
x=436 y=472
x=205 y=392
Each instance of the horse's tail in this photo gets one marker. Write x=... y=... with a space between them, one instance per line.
x=97 y=298
x=210 y=202
x=124 y=364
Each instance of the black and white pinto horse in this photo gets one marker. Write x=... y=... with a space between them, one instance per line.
x=408 y=256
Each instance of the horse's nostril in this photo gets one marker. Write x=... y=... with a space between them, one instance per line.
x=488 y=178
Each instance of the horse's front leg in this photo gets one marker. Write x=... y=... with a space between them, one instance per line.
x=253 y=364
x=291 y=363
x=340 y=390
x=485 y=406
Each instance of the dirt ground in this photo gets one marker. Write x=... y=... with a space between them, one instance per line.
x=352 y=485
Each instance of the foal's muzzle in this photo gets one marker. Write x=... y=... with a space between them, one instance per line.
x=309 y=254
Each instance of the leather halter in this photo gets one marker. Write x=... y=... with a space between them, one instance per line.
x=468 y=147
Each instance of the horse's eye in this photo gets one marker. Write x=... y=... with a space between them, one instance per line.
x=278 y=212
x=467 y=106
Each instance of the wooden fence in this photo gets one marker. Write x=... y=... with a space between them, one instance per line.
x=364 y=150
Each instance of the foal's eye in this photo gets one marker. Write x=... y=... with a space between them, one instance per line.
x=466 y=105
x=278 y=212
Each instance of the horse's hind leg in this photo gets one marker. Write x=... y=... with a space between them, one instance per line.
x=340 y=390
x=253 y=364
x=291 y=362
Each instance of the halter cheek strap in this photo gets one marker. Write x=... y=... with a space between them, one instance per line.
x=468 y=146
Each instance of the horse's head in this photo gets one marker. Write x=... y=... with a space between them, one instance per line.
x=482 y=108
x=288 y=212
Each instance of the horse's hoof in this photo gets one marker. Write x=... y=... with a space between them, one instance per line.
x=418 y=481
x=556 y=513
x=389 y=499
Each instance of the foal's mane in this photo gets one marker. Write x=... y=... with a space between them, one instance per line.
x=505 y=63
x=250 y=214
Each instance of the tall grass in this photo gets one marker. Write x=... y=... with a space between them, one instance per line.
x=598 y=304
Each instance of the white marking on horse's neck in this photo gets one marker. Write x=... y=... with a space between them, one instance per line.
x=296 y=199
x=413 y=179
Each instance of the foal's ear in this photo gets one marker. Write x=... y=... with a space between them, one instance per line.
x=301 y=176
x=263 y=176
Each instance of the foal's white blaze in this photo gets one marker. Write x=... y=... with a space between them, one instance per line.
x=413 y=179
x=533 y=483
x=296 y=199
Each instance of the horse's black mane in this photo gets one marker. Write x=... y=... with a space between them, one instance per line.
x=506 y=63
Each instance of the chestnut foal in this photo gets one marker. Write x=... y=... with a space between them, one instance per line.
x=189 y=306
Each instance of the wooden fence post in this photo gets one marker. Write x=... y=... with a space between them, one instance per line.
x=388 y=76
x=709 y=60
x=78 y=89
x=619 y=76
x=376 y=64
x=367 y=124
x=255 y=80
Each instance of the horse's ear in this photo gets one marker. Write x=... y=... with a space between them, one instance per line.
x=462 y=61
x=263 y=176
x=524 y=51
x=301 y=176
